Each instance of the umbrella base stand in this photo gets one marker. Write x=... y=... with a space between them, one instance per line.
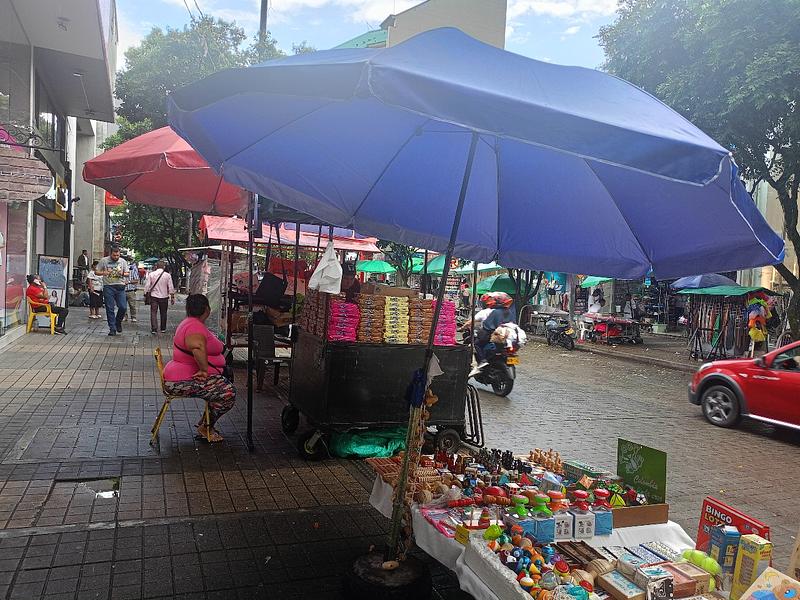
x=368 y=580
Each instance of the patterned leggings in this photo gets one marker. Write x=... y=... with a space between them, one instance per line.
x=218 y=391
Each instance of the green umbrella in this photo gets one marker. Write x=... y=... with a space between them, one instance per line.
x=497 y=283
x=374 y=266
x=482 y=268
x=593 y=280
x=152 y=259
x=435 y=266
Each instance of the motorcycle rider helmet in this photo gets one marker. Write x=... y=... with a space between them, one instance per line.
x=503 y=300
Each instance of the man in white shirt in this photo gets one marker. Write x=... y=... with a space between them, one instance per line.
x=115 y=272
x=161 y=289
x=630 y=308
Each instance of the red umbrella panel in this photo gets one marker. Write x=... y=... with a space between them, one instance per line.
x=160 y=168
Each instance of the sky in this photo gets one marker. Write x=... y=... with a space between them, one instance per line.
x=559 y=31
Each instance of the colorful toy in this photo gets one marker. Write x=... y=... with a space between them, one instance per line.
x=557 y=501
x=581 y=500
x=520 y=503
x=601 y=497
x=540 y=507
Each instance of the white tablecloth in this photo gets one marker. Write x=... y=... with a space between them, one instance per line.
x=450 y=553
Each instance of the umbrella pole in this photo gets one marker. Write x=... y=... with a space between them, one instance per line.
x=425 y=273
x=250 y=445
x=413 y=442
x=296 y=256
x=473 y=296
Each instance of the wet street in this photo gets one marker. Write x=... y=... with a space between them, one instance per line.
x=580 y=403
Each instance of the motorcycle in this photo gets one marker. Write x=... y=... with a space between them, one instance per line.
x=560 y=335
x=500 y=372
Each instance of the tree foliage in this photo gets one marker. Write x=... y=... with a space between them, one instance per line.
x=733 y=68
x=400 y=257
x=126 y=130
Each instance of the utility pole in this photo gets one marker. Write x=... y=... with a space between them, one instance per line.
x=262 y=30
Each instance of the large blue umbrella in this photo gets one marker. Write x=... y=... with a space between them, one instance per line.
x=379 y=139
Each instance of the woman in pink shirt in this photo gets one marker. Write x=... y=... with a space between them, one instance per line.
x=197 y=365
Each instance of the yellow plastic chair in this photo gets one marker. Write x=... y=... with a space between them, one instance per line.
x=169 y=398
x=47 y=313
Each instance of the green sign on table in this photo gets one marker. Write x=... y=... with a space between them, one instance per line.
x=644 y=469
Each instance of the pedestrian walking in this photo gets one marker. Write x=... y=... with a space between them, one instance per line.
x=115 y=272
x=130 y=292
x=159 y=291
x=94 y=283
x=142 y=275
x=39 y=298
x=83 y=264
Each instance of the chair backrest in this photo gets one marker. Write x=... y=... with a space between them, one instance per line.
x=159 y=364
x=264 y=340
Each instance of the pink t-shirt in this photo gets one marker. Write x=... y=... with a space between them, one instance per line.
x=183 y=365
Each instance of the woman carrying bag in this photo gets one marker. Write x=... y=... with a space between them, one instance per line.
x=158 y=291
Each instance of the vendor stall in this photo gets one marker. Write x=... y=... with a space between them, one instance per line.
x=609 y=329
x=351 y=360
x=476 y=519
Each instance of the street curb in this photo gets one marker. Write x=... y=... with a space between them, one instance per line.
x=645 y=360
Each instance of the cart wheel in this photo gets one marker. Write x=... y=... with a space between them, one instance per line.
x=290 y=419
x=311 y=446
x=448 y=440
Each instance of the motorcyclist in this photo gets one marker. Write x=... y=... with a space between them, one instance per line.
x=500 y=313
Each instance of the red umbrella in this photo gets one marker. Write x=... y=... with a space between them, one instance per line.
x=161 y=168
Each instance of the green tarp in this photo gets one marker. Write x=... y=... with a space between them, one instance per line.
x=381 y=443
x=593 y=280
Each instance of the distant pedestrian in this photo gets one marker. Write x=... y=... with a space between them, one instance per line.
x=142 y=275
x=115 y=272
x=162 y=291
x=94 y=283
x=83 y=263
x=39 y=298
x=130 y=292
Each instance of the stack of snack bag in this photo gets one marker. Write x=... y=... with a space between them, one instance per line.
x=395 y=324
x=446 y=326
x=312 y=317
x=370 y=327
x=343 y=321
x=420 y=319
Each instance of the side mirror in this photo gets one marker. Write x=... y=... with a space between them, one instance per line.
x=760 y=362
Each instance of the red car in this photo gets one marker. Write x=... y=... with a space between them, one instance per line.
x=766 y=389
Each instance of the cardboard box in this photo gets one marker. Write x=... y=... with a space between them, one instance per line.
x=773 y=584
x=647 y=514
x=619 y=587
x=381 y=289
x=752 y=559
x=603 y=522
x=545 y=530
x=656 y=582
x=701 y=578
x=582 y=525
x=563 y=526
x=794 y=561
x=628 y=564
x=683 y=586
x=724 y=545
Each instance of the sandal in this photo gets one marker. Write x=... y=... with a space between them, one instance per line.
x=214 y=438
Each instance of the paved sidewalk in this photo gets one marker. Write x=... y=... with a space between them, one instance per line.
x=88 y=509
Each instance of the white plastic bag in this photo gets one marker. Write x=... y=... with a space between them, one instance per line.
x=327 y=277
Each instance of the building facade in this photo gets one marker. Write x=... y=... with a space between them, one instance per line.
x=57 y=63
x=484 y=20
x=766 y=199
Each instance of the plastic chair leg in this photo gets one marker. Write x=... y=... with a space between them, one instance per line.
x=31 y=317
x=159 y=418
x=52 y=326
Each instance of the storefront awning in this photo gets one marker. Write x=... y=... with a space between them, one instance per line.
x=22 y=178
x=231 y=229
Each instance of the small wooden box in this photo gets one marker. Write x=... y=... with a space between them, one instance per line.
x=683 y=585
x=647 y=514
x=619 y=587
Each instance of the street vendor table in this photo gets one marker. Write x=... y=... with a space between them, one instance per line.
x=451 y=554
x=629 y=328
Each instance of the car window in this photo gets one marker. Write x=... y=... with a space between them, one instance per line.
x=787 y=361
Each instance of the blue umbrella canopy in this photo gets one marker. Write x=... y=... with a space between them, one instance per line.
x=696 y=282
x=381 y=140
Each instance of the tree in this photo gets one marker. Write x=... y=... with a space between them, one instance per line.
x=302 y=48
x=733 y=68
x=526 y=286
x=126 y=131
x=400 y=257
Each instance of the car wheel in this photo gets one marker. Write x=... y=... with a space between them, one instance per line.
x=721 y=406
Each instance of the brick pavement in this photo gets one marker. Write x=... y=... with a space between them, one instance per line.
x=580 y=403
x=89 y=510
